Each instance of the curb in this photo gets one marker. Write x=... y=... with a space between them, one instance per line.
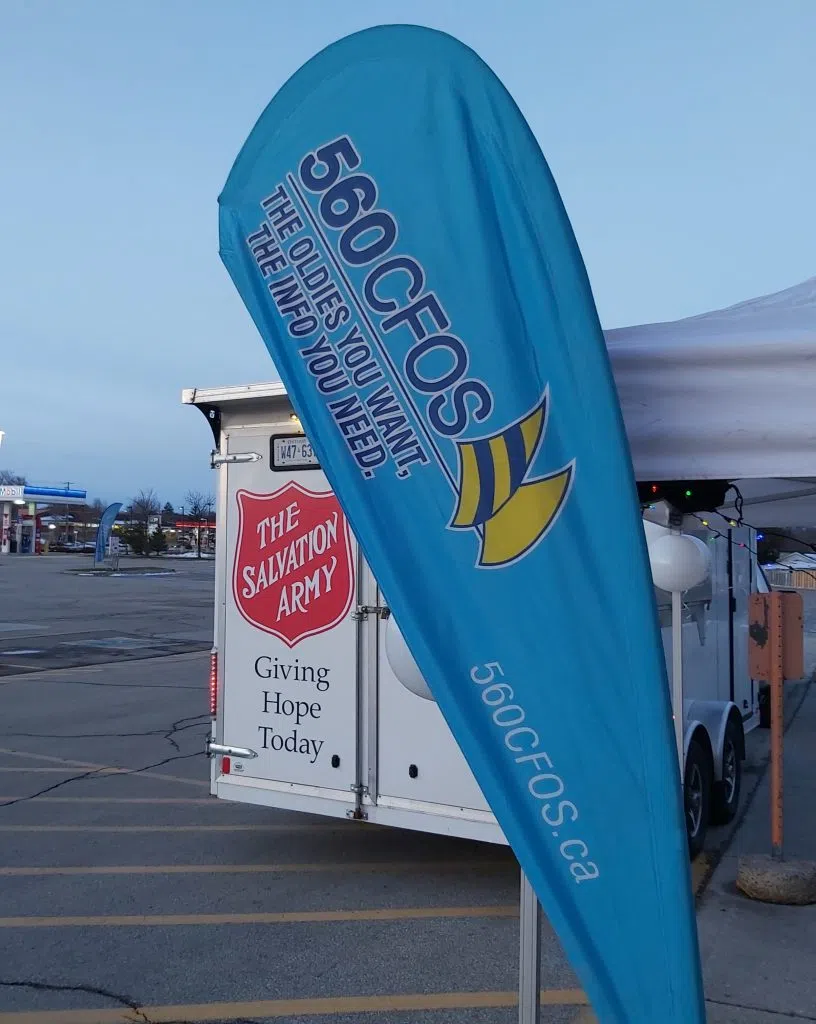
x=715 y=855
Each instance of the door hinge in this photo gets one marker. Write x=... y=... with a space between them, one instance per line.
x=216 y=459
x=357 y=813
x=380 y=610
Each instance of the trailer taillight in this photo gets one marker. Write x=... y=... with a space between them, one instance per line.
x=213 y=682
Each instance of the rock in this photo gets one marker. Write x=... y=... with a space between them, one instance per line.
x=790 y=882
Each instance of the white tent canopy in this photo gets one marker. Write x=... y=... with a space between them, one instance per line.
x=728 y=395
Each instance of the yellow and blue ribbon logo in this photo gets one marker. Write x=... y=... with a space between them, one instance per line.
x=510 y=512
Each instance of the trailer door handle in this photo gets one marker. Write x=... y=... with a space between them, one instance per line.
x=221 y=748
x=216 y=459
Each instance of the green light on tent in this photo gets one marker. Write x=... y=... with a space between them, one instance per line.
x=688 y=494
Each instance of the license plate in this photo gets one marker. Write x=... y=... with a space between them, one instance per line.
x=293 y=452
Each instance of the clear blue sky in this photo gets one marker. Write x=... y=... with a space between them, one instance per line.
x=681 y=137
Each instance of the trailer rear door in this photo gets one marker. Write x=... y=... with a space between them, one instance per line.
x=419 y=777
x=289 y=642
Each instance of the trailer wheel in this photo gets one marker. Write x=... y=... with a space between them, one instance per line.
x=697 y=795
x=726 y=794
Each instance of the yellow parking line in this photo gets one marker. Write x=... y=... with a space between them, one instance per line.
x=260 y=869
x=70 y=762
x=67 y=770
x=316 y=827
x=102 y=768
x=699 y=868
x=286 y=917
x=209 y=800
x=295 y=1008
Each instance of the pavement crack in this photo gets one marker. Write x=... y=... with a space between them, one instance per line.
x=100 y=771
x=89 y=735
x=224 y=1020
x=761 y=1009
x=167 y=760
x=49 y=789
x=179 y=726
x=231 y=1020
x=192 y=722
x=124 y=686
x=44 y=986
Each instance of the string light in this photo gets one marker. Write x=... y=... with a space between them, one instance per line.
x=733 y=523
x=759 y=536
x=684 y=496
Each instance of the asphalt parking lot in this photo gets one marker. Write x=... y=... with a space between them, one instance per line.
x=128 y=894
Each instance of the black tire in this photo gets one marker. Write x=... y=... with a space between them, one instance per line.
x=725 y=795
x=697 y=795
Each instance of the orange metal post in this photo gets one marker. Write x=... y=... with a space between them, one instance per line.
x=776 y=646
x=776 y=653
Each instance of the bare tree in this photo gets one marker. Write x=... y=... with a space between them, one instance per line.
x=92 y=516
x=198 y=505
x=144 y=505
x=9 y=478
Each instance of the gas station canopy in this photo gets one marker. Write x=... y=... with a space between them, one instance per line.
x=23 y=494
x=23 y=536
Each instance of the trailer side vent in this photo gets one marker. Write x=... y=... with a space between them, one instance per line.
x=413 y=771
x=335 y=761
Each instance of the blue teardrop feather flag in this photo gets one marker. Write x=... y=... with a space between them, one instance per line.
x=396 y=235
x=103 y=532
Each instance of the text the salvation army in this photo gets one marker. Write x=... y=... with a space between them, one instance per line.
x=291 y=553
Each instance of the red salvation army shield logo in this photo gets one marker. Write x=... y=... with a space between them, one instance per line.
x=294 y=574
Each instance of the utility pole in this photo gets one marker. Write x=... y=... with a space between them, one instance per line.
x=66 y=514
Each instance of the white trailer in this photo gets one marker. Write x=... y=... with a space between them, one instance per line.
x=317 y=704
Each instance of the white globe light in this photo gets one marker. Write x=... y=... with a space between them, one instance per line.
x=679 y=561
x=402 y=662
x=653 y=531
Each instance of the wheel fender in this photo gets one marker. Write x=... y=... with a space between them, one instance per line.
x=692 y=725
x=694 y=728
x=713 y=716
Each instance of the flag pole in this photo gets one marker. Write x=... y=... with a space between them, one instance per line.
x=529 y=954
